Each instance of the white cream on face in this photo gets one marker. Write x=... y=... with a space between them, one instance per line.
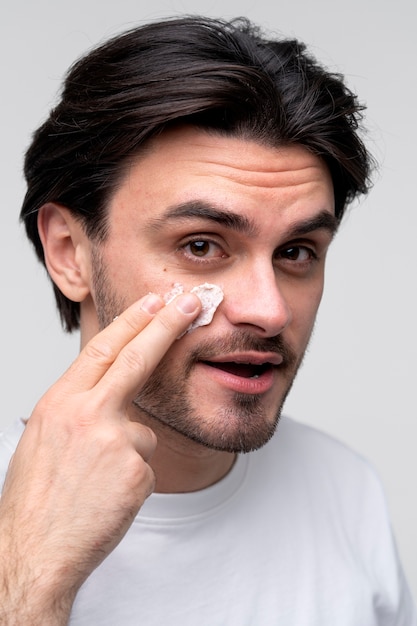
x=210 y=296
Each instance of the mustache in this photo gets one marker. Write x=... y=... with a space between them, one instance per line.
x=241 y=341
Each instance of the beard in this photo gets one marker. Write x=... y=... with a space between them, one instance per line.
x=242 y=423
x=169 y=403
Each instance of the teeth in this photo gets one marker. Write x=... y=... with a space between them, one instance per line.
x=247 y=363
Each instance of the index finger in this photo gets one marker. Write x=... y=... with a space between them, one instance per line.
x=102 y=350
x=138 y=359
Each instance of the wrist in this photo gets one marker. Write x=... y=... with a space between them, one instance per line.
x=32 y=595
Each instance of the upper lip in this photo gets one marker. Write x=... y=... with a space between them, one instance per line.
x=250 y=358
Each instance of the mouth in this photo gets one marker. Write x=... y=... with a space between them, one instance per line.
x=241 y=369
x=250 y=372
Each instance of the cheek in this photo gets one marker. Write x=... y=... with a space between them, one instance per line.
x=304 y=308
x=133 y=274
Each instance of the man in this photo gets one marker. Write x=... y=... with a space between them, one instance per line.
x=185 y=153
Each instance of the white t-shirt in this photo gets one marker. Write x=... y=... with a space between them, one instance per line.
x=297 y=534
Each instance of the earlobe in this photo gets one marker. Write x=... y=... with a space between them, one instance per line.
x=65 y=247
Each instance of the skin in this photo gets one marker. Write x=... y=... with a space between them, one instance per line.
x=78 y=453
x=104 y=433
x=268 y=294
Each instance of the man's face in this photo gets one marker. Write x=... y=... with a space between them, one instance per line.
x=255 y=220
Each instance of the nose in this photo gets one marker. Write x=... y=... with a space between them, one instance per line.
x=255 y=299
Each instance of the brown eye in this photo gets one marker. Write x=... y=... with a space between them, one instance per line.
x=199 y=248
x=203 y=250
x=297 y=253
x=292 y=253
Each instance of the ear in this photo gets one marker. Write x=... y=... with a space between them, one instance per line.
x=66 y=248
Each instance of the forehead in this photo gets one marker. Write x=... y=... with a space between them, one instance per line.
x=188 y=164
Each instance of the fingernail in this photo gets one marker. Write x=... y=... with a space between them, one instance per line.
x=152 y=304
x=186 y=303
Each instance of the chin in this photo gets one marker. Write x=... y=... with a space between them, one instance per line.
x=243 y=426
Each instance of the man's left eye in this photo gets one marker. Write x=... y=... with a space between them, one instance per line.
x=300 y=254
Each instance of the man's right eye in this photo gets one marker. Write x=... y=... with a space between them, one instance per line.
x=199 y=248
x=203 y=249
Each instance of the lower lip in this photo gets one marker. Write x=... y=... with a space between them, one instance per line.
x=240 y=384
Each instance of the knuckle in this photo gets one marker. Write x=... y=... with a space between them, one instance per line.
x=48 y=409
x=109 y=436
x=146 y=442
x=131 y=322
x=145 y=478
x=99 y=350
x=88 y=411
x=133 y=360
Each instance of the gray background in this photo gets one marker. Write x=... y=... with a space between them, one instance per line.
x=358 y=381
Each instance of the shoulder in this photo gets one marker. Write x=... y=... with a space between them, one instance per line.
x=332 y=499
x=311 y=461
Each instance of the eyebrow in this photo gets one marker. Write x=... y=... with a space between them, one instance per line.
x=205 y=211
x=324 y=220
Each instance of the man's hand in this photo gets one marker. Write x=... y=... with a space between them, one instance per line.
x=80 y=472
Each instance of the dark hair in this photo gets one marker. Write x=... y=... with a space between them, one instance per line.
x=219 y=75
